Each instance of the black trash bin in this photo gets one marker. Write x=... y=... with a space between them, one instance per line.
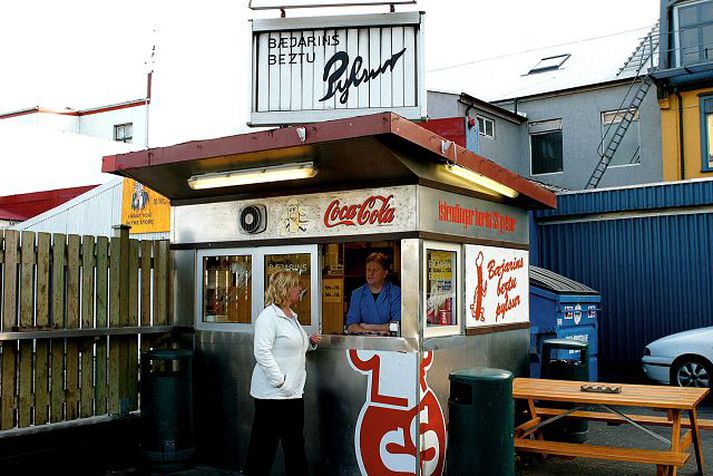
x=565 y=359
x=481 y=423
x=167 y=441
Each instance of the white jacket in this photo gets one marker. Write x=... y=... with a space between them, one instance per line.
x=280 y=345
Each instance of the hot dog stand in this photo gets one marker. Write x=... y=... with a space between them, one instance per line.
x=454 y=226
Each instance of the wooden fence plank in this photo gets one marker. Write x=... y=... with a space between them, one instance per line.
x=73 y=301
x=100 y=383
x=42 y=382
x=132 y=342
x=133 y=283
x=7 y=392
x=59 y=261
x=146 y=282
x=88 y=263
x=73 y=244
x=114 y=258
x=113 y=406
x=27 y=285
x=25 y=400
x=72 y=379
x=86 y=395
x=102 y=280
x=160 y=282
x=57 y=393
x=43 y=280
x=9 y=319
x=124 y=319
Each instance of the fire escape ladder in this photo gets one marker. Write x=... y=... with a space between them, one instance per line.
x=640 y=86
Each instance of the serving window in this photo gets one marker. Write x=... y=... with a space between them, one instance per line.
x=442 y=271
x=231 y=284
x=343 y=271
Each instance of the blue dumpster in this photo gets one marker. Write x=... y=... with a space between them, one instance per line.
x=561 y=308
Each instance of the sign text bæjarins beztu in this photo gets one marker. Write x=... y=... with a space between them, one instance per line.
x=314 y=69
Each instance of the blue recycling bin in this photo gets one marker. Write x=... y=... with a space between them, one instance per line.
x=561 y=308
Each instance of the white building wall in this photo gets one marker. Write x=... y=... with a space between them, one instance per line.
x=93 y=213
x=25 y=120
x=58 y=122
x=102 y=124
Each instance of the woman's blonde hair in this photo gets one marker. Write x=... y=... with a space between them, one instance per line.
x=280 y=284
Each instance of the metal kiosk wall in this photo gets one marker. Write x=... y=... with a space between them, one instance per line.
x=373 y=404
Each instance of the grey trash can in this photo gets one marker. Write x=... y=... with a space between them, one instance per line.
x=167 y=441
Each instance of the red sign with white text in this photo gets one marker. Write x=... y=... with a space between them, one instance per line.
x=375 y=210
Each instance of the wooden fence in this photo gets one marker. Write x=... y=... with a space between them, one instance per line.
x=74 y=310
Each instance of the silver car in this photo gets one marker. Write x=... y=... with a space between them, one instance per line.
x=682 y=359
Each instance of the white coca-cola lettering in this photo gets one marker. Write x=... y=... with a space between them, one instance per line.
x=376 y=209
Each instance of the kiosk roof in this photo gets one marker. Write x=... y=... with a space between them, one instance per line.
x=375 y=150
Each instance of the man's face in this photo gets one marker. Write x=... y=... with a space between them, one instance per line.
x=375 y=274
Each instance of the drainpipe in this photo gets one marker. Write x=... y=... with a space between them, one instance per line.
x=680 y=132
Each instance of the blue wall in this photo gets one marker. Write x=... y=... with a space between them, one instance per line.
x=648 y=250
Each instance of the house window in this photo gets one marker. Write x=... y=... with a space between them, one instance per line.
x=707 y=134
x=549 y=64
x=486 y=127
x=628 y=152
x=546 y=147
x=693 y=32
x=123 y=132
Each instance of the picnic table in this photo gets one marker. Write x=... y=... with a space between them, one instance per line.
x=672 y=401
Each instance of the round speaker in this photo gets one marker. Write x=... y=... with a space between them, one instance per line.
x=253 y=219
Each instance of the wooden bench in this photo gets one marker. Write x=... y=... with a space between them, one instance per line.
x=653 y=420
x=632 y=455
x=674 y=401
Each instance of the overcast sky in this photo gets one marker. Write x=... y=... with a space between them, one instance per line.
x=85 y=53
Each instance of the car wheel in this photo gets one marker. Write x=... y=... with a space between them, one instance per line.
x=692 y=372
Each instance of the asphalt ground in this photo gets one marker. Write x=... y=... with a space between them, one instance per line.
x=600 y=433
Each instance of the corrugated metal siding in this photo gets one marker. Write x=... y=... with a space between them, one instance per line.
x=655 y=275
x=92 y=213
x=690 y=193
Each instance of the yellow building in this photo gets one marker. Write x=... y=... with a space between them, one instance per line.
x=685 y=82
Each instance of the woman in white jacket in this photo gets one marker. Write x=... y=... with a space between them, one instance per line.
x=278 y=380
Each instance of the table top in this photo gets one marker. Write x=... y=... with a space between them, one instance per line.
x=652 y=396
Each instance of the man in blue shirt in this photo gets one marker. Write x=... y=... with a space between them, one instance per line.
x=377 y=302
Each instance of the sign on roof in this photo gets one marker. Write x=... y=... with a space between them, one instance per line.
x=314 y=69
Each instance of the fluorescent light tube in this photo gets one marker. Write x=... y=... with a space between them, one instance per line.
x=482 y=181
x=274 y=173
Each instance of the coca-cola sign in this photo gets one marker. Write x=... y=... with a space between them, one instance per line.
x=374 y=210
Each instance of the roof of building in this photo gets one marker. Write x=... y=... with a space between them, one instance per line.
x=544 y=70
x=24 y=206
x=352 y=153
x=73 y=112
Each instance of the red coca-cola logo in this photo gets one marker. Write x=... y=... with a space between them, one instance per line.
x=374 y=210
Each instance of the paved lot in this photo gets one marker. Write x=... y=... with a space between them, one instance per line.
x=599 y=434
x=624 y=436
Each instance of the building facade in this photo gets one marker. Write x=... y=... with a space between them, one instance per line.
x=586 y=113
x=685 y=82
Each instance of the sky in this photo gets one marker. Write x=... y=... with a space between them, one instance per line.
x=86 y=53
